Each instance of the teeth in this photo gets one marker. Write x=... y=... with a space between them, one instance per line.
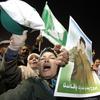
x=46 y=66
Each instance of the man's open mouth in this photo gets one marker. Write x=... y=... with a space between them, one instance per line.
x=46 y=67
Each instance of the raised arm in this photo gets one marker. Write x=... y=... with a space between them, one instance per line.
x=12 y=74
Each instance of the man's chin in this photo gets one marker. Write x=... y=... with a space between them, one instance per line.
x=47 y=76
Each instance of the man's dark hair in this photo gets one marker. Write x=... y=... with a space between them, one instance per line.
x=49 y=49
x=82 y=40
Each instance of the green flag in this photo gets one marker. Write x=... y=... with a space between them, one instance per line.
x=54 y=31
x=9 y=24
x=17 y=15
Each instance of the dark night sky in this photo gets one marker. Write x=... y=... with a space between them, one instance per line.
x=86 y=14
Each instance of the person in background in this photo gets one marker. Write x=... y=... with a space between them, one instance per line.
x=23 y=53
x=32 y=67
x=3 y=46
x=96 y=67
x=12 y=74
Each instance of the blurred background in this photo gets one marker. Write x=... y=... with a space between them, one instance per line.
x=86 y=14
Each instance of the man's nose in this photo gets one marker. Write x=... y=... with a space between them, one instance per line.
x=46 y=60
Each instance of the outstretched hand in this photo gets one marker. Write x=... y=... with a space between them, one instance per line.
x=16 y=41
x=28 y=72
x=62 y=55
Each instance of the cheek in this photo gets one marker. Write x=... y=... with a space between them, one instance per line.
x=41 y=63
x=53 y=72
x=29 y=61
x=54 y=67
x=53 y=63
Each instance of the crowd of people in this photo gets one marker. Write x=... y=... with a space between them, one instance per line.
x=33 y=77
x=27 y=75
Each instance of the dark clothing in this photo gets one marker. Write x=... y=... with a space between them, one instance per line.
x=30 y=89
x=22 y=60
x=9 y=71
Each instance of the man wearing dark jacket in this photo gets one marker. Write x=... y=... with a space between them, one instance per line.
x=30 y=89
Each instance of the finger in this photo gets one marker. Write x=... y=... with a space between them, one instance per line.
x=58 y=62
x=63 y=56
x=62 y=60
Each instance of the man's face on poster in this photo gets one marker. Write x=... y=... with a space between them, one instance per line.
x=82 y=46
